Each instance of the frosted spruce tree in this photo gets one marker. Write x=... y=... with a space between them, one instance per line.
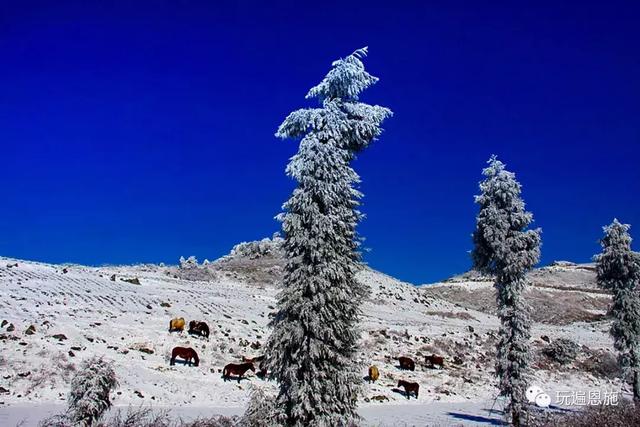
x=504 y=248
x=618 y=270
x=312 y=347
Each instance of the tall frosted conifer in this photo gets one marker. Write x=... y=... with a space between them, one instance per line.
x=505 y=248
x=618 y=270
x=313 y=344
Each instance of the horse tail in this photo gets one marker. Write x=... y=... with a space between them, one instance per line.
x=170 y=322
x=225 y=373
x=196 y=358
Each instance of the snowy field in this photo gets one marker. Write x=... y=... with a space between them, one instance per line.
x=77 y=312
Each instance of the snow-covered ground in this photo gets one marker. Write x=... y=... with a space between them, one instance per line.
x=78 y=312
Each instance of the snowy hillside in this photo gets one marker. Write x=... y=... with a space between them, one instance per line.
x=54 y=316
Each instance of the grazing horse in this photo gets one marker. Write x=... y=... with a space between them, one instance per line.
x=262 y=370
x=176 y=325
x=407 y=363
x=434 y=361
x=409 y=388
x=237 y=370
x=199 y=328
x=374 y=374
x=185 y=353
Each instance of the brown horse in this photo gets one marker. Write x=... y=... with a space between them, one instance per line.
x=434 y=361
x=374 y=373
x=237 y=370
x=407 y=363
x=199 y=328
x=409 y=388
x=185 y=353
x=176 y=325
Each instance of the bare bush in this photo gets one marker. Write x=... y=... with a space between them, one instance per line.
x=260 y=412
x=59 y=420
x=451 y=315
x=602 y=364
x=217 y=421
x=623 y=415
x=562 y=350
x=139 y=417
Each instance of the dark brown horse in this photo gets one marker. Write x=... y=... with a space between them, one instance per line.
x=434 y=361
x=262 y=371
x=409 y=388
x=407 y=363
x=184 y=353
x=236 y=369
x=199 y=328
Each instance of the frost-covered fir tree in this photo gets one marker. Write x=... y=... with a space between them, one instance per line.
x=505 y=248
x=618 y=269
x=313 y=344
x=90 y=389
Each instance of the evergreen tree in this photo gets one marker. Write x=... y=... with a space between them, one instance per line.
x=618 y=270
x=313 y=344
x=505 y=248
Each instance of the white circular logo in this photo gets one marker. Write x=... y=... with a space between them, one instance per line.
x=543 y=400
x=532 y=392
x=535 y=394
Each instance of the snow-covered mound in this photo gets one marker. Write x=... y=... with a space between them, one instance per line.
x=54 y=316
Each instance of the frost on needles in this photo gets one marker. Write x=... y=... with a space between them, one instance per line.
x=313 y=344
x=505 y=248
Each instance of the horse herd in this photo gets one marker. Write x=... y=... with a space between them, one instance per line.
x=188 y=354
x=239 y=369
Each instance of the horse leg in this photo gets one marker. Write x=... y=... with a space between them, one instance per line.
x=173 y=361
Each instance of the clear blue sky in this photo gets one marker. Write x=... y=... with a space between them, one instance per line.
x=143 y=131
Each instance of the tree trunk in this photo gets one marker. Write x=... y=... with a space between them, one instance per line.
x=515 y=417
x=636 y=387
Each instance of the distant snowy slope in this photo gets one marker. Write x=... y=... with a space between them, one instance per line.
x=561 y=293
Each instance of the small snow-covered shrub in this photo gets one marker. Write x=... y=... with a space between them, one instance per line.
x=90 y=389
x=562 y=350
x=191 y=262
x=258 y=249
x=261 y=410
x=189 y=269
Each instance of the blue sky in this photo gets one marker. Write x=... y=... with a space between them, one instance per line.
x=140 y=132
